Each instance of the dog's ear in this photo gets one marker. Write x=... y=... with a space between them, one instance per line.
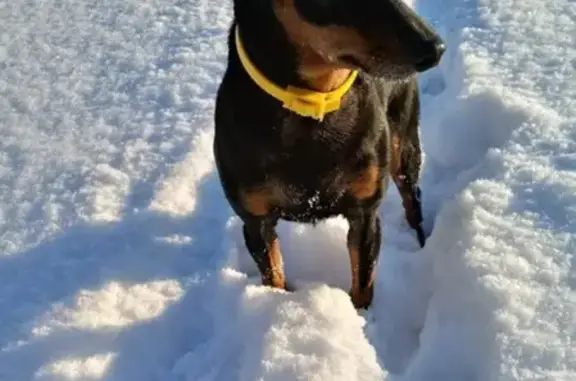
x=310 y=29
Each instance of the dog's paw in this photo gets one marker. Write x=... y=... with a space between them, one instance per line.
x=362 y=299
x=290 y=287
x=420 y=235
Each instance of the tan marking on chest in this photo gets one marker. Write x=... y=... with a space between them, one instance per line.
x=320 y=75
x=262 y=200
x=366 y=183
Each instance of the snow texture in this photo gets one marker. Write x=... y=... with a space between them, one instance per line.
x=120 y=259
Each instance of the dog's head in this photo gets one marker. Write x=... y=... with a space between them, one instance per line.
x=384 y=38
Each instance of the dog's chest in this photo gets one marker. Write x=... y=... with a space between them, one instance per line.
x=313 y=193
x=314 y=169
x=304 y=203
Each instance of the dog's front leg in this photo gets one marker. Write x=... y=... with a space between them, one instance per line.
x=405 y=170
x=406 y=154
x=262 y=243
x=364 y=239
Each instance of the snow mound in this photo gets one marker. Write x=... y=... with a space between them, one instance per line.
x=120 y=259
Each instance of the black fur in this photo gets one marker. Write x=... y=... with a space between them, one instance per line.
x=310 y=164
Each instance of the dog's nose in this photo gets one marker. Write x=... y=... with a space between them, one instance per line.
x=430 y=55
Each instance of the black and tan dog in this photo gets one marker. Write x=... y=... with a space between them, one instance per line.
x=317 y=109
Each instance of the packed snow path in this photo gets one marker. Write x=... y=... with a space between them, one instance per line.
x=120 y=260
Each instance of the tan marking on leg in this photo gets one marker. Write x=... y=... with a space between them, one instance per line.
x=354 y=263
x=395 y=158
x=319 y=47
x=364 y=297
x=361 y=298
x=275 y=275
x=399 y=178
x=366 y=184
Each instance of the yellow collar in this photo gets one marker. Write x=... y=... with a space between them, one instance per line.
x=301 y=101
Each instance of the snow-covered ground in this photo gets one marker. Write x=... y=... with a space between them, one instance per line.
x=120 y=260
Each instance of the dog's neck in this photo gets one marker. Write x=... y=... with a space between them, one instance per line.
x=320 y=75
x=269 y=49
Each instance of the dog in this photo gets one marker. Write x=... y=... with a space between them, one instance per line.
x=317 y=110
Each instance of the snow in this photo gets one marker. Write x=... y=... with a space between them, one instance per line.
x=120 y=259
